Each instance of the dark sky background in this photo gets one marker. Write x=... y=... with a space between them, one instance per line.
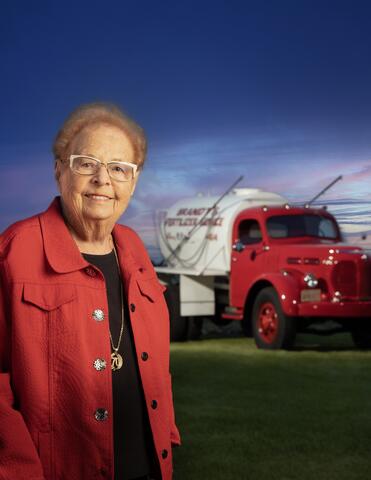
x=279 y=91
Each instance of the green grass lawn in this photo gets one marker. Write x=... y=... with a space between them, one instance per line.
x=251 y=414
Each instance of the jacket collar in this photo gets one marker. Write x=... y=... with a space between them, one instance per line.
x=61 y=250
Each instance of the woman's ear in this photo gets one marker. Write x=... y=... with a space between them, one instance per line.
x=57 y=169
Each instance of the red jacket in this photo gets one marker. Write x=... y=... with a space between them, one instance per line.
x=49 y=339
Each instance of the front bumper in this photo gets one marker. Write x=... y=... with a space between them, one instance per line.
x=335 y=309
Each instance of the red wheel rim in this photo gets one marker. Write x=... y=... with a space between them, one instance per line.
x=268 y=322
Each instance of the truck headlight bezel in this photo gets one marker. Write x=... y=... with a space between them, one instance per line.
x=311 y=280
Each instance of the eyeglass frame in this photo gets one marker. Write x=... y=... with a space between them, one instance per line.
x=133 y=165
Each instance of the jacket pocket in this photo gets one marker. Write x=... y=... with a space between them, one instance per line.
x=151 y=287
x=44 y=449
x=47 y=296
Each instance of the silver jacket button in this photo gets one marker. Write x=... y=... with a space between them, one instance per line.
x=99 y=364
x=101 y=414
x=98 y=315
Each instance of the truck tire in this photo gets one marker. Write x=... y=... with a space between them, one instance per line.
x=272 y=329
x=361 y=334
x=178 y=324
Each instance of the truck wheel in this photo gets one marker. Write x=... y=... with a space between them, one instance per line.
x=361 y=334
x=272 y=329
x=178 y=324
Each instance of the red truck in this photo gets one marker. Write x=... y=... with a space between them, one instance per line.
x=279 y=269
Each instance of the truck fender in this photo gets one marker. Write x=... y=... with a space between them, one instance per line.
x=287 y=288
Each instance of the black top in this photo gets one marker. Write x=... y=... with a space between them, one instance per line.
x=133 y=444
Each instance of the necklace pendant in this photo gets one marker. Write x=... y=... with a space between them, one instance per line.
x=116 y=361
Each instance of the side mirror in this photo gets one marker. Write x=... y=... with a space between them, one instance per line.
x=238 y=246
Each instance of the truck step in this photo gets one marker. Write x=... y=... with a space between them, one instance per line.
x=232 y=313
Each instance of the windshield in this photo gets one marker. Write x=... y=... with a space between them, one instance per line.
x=286 y=226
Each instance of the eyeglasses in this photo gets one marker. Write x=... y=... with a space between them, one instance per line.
x=86 y=165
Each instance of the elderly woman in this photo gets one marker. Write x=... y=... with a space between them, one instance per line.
x=85 y=389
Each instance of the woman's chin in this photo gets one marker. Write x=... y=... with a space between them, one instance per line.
x=98 y=213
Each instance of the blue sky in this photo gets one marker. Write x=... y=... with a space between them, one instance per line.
x=276 y=91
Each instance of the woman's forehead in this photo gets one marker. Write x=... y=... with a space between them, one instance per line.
x=96 y=138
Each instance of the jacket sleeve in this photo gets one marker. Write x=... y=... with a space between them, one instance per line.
x=18 y=455
x=174 y=432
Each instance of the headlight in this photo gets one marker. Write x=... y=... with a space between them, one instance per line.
x=311 y=280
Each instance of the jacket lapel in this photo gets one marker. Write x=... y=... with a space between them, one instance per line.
x=61 y=250
x=129 y=265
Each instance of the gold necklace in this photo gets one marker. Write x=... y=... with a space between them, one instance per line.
x=116 y=358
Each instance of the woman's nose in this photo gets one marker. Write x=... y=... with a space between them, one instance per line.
x=102 y=177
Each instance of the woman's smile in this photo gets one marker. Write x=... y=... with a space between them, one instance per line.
x=98 y=197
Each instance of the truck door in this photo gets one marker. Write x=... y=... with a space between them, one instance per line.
x=248 y=258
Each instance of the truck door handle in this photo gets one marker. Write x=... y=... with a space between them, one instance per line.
x=238 y=246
